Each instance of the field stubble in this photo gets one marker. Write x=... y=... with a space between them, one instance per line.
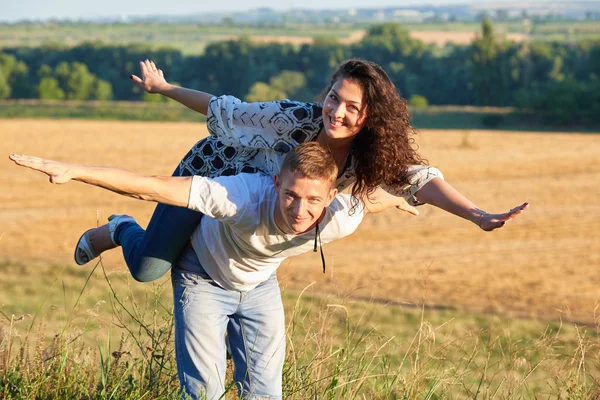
x=543 y=264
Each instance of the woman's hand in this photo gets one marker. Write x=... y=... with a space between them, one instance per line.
x=58 y=172
x=403 y=205
x=489 y=222
x=152 y=80
x=381 y=200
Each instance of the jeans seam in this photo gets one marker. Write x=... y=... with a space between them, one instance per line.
x=178 y=355
x=248 y=360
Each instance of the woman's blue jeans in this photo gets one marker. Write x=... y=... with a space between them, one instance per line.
x=150 y=253
x=255 y=326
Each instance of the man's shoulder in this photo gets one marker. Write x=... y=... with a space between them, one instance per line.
x=257 y=186
x=256 y=179
x=345 y=203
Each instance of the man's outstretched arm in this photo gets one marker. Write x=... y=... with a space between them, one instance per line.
x=162 y=189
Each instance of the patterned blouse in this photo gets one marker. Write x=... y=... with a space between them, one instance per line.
x=254 y=137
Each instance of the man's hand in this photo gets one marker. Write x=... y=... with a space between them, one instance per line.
x=152 y=80
x=58 y=172
x=489 y=222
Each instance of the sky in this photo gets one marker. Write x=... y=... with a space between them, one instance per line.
x=16 y=10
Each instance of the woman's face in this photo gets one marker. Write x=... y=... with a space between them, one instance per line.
x=344 y=113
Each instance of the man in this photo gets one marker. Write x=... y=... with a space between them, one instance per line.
x=226 y=280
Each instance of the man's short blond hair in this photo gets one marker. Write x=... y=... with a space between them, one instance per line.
x=311 y=160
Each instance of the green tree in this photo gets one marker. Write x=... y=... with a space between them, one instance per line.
x=62 y=73
x=261 y=91
x=49 y=89
x=7 y=63
x=292 y=84
x=44 y=72
x=493 y=68
x=418 y=101
x=19 y=82
x=80 y=84
x=102 y=90
x=4 y=87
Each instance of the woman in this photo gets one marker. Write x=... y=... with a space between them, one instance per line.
x=362 y=121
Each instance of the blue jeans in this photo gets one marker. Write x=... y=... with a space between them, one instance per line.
x=150 y=253
x=255 y=325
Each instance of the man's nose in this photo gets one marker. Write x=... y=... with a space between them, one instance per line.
x=299 y=207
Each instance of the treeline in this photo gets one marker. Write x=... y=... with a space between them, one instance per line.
x=558 y=81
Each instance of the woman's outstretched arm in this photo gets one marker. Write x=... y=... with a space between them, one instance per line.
x=166 y=190
x=153 y=81
x=439 y=193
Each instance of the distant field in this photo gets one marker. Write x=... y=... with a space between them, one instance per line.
x=545 y=264
x=193 y=38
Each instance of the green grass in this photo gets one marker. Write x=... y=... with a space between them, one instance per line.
x=72 y=332
x=98 y=110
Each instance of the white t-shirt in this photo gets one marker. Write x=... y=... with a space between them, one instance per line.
x=238 y=243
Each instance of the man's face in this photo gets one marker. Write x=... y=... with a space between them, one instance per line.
x=300 y=202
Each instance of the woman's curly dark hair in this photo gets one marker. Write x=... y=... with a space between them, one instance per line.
x=384 y=148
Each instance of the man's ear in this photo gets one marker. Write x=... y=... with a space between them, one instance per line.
x=332 y=193
x=277 y=183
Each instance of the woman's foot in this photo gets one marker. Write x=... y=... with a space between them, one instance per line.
x=92 y=243
x=95 y=241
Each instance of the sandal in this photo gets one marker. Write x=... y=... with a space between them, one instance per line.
x=84 y=243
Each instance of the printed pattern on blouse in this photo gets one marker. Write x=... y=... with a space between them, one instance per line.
x=254 y=137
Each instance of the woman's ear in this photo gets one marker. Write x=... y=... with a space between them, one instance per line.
x=277 y=183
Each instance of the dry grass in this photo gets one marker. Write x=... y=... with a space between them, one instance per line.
x=460 y=38
x=440 y=38
x=545 y=264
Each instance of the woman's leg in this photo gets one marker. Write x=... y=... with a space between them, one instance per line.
x=149 y=254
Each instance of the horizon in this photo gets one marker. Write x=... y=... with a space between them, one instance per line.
x=37 y=10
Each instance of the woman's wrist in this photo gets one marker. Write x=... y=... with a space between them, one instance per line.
x=166 y=89
x=479 y=216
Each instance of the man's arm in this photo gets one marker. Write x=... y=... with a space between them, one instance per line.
x=162 y=189
x=153 y=81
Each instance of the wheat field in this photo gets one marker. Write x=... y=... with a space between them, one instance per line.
x=542 y=265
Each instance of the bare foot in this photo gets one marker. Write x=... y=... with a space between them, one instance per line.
x=99 y=240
